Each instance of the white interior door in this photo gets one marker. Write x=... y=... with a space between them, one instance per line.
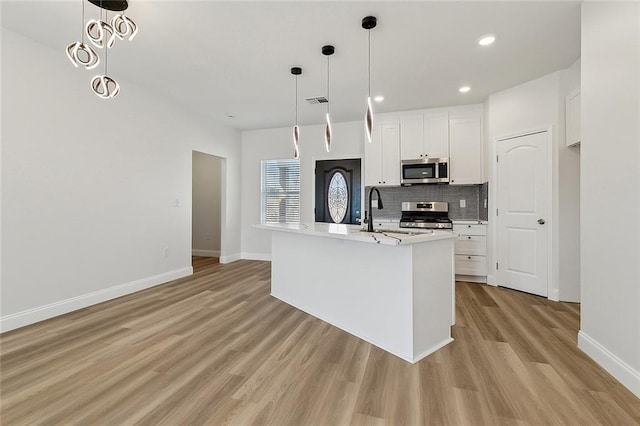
x=523 y=176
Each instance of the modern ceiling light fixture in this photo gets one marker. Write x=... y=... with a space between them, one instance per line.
x=464 y=89
x=102 y=34
x=368 y=23
x=328 y=50
x=296 y=129
x=80 y=53
x=486 y=40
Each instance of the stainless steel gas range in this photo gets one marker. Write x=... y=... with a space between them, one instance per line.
x=425 y=215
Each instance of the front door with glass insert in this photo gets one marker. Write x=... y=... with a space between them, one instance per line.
x=338 y=191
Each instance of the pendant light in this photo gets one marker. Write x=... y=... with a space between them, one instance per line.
x=80 y=53
x=296 y=129
x=102 y=35
x=368 y=23
x=328 y=50
x=103 y=86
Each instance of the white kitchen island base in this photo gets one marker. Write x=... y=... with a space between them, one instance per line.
x=397 y=297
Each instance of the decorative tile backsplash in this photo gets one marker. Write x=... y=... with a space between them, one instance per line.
x=393 y=196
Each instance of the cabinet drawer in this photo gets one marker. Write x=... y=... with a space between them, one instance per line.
x=471 y=245
x=470 y=229
x=471 y=265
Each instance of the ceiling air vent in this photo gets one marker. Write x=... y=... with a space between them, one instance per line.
x=317 y=100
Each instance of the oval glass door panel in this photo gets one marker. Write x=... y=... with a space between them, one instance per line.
x=338 y=197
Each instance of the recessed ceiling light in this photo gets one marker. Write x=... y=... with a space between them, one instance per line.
x=379 y=98
x=486 y=40
x=464 y=89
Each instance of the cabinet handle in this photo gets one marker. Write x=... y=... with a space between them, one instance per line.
x=468 y=226
x=469 y=257
x=420 y=155
x=469 y=237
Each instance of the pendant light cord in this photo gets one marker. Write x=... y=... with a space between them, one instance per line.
x=106 y=48
x=328 y=90
x=296 y=100
x=369 y=69
x=82 y=23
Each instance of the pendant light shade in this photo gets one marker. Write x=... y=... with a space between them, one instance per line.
x=368 y=23
x=328 y=50
x=296 y=71
x=368 y=120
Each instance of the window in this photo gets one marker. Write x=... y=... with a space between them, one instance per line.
x=280 y=191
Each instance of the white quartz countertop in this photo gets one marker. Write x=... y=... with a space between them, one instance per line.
x=391 y=237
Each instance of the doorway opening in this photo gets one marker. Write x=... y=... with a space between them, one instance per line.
x=207 y=208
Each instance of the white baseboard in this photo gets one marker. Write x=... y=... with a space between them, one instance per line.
x=432 y=350
x=256 y=256
x=205 y=253
x=230 y=258
x=491 y=280
x=619 y=369
x=41 y=313
x=472 y=278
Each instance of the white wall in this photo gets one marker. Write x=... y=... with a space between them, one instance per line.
x=568 y=197
x=539 y=104
x=258 y=145
x=610 y=311
x=207 y=203
x=89 y=186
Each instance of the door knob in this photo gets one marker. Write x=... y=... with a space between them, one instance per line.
x=541 y=221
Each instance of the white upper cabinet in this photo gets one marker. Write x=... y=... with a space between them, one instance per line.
x=436 y=135
x=424 y=135
x=382 y=156
x=412 y=137
x=572 y=117
x=465 y=147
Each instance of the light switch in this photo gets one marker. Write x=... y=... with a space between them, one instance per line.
x=463 y=204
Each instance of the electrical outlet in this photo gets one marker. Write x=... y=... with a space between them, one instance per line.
x=165 y=252
x=463 y=204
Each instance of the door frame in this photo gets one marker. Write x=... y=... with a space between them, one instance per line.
x=313 y=184
x=224 y=238
x=552 y=290
x=351 y=207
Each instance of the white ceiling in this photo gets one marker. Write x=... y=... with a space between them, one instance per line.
x=217 y=57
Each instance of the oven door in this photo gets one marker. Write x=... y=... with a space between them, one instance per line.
x=429 y=170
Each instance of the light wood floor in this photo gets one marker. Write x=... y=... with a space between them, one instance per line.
x=216 y=349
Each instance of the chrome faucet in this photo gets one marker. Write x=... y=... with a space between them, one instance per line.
x=370 y=216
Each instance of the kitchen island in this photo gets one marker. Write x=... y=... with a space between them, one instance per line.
x=395 y=290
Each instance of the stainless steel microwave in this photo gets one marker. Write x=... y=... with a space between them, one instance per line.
x=425 y=170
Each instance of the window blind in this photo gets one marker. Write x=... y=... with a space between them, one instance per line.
x=280 y=191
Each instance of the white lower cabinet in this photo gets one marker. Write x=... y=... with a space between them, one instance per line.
x=471 y=252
